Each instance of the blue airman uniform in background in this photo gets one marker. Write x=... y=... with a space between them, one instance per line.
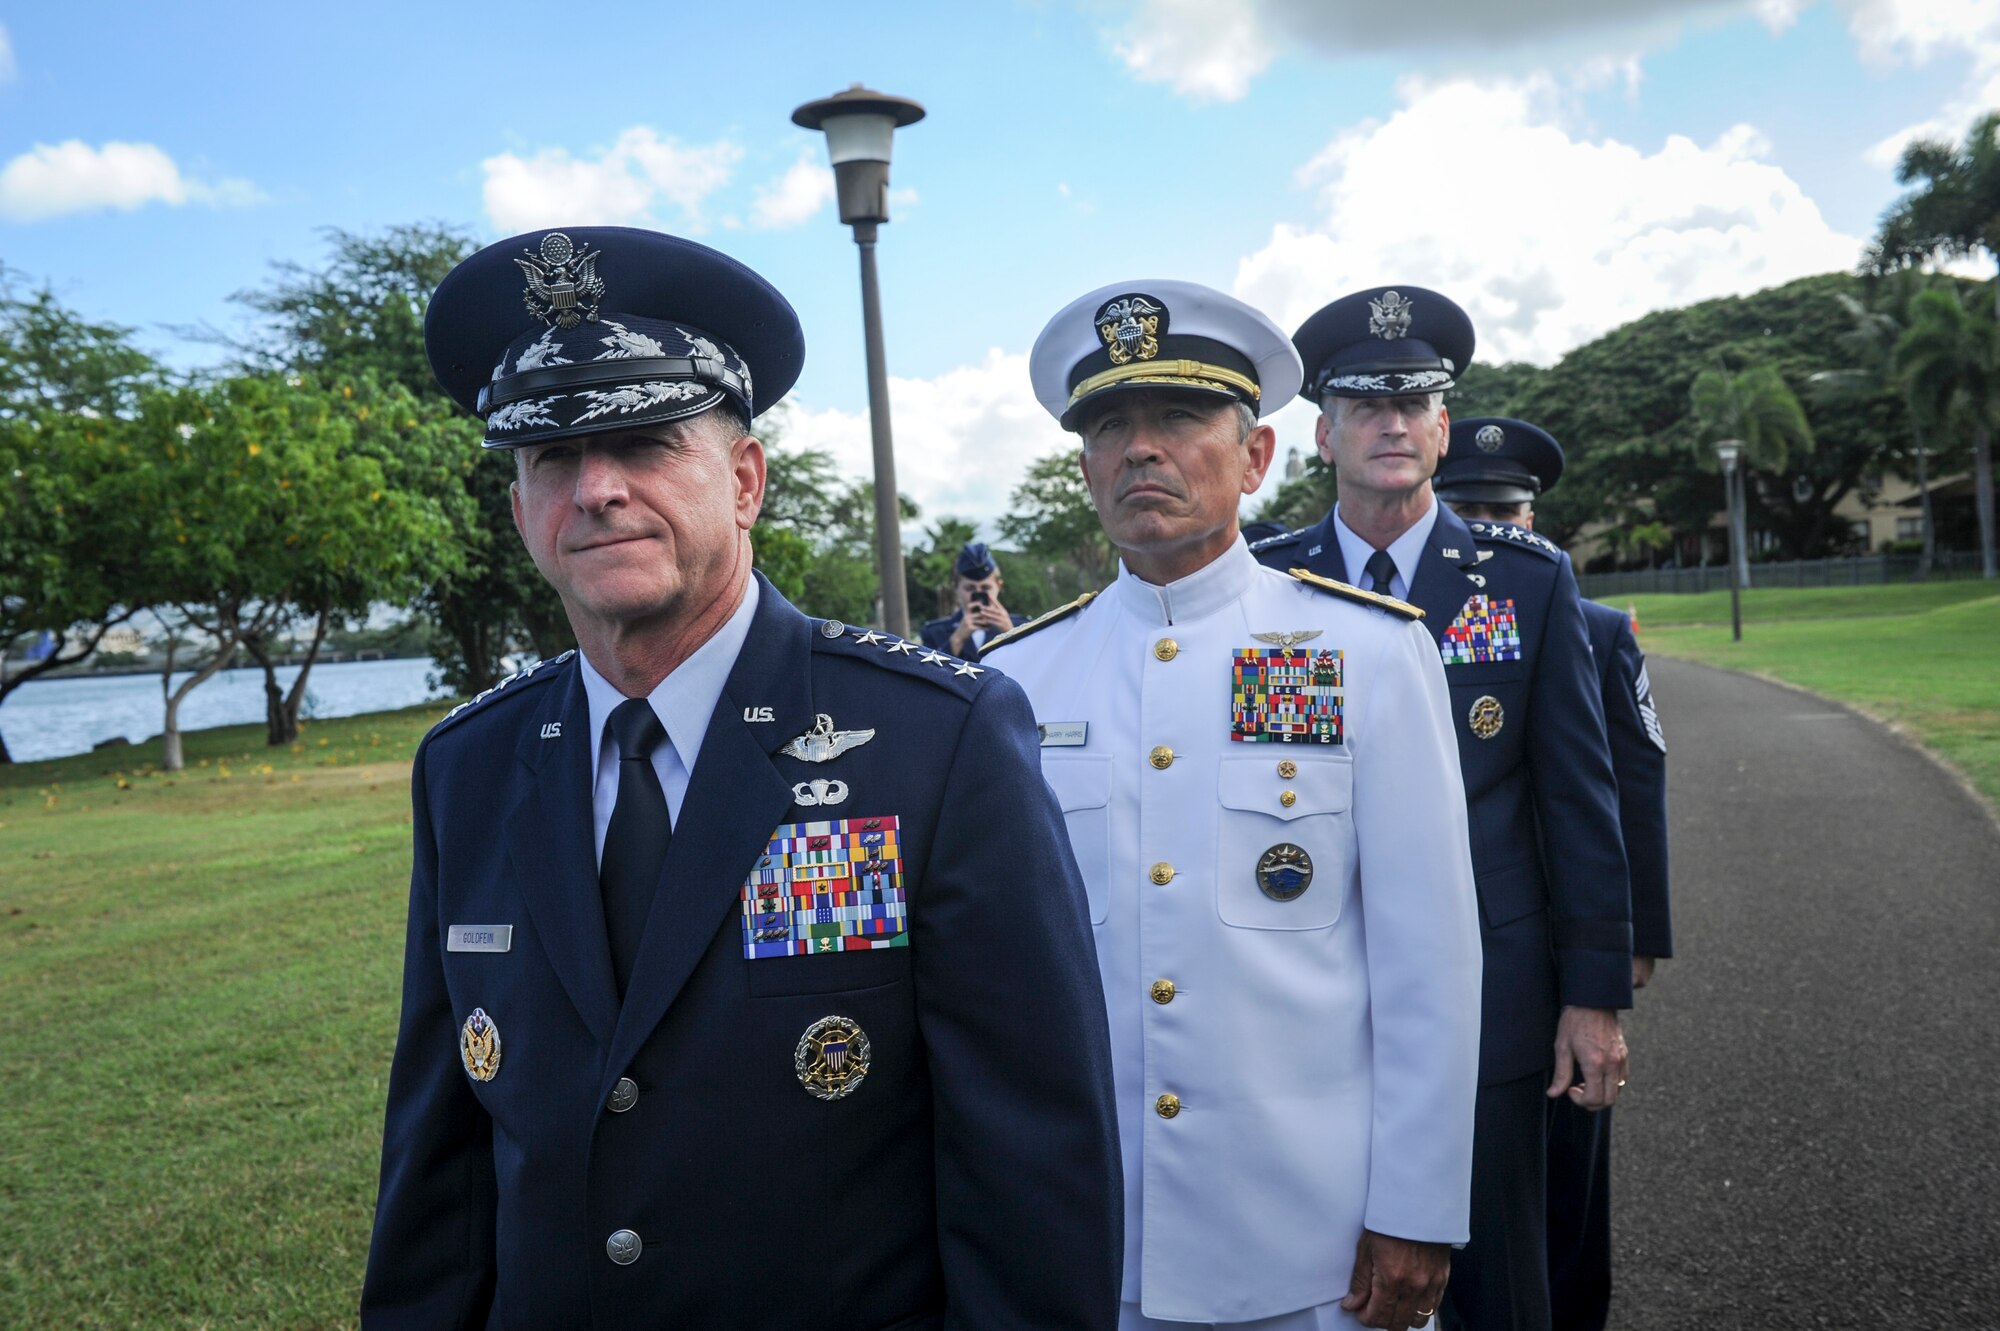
x=974 y=563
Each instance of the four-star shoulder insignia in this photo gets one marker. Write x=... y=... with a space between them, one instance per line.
x=1380 y=602
x=900 y=654
x=1509 y=533
x=471 y=704
x=1021 y=631
x=1271 y=542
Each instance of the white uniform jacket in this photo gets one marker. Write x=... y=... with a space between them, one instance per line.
x=1288 y=1071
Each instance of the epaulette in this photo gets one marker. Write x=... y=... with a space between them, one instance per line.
x=1270 y=541
x=510 y=685
x=1352 y=593
x=1020 y=631
x=1514 y=534
x=898 y=654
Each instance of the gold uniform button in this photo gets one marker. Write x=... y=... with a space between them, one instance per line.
x=1288 y=798
x=1162 y=874
x=1166 y=649
x=1163 y=992
x=1168 y=1105
x=1161 y=757
x=1288 y=769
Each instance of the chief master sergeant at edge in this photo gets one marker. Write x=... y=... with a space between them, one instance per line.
x=748 y=980
x=1251 y=764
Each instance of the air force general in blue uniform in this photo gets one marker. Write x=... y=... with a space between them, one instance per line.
x=1501 y=604
x=762 y=997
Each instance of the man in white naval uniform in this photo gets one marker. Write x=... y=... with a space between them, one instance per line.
x=1262 y=790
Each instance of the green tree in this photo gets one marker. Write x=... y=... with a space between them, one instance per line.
x=1950 y=361
x=1760 y=412
x=1953 y=211
x=1052 y=518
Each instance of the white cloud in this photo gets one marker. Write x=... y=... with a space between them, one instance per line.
x=1610 y=232
x=623 y=183
x=964 y=439
x=1205 y=50
x=54 y=180
x=793 y=198
x=1893 y=33
x=7 y=66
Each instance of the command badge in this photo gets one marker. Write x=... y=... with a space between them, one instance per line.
x=1486 y=717
x=832 y=1058
x=1284 y=872
x=479 y=1046
x=1131 y=327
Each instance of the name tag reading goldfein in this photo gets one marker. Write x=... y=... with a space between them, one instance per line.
x=480 y=938
x=1063 y=734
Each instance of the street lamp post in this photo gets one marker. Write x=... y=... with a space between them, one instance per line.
x=1729 y=450
x=859 y=127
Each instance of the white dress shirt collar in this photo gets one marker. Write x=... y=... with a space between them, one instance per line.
x=1202 y=592
x=1406 y=551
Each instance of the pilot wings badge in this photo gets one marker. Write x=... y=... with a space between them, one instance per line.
x=563 y=285
x=1288 y=640
x=1130 y=327
x=1389 y=317
x=823 y=743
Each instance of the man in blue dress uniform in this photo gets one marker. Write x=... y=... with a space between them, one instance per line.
x=749 y=980
x=1502 y=605
x=1495 y=471
x=980 y=618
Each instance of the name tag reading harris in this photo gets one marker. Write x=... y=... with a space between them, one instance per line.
x=479 y=938
x=1063 y=734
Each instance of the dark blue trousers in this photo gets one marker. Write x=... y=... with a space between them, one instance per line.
x=1579 y=1218
x=1500 y=1280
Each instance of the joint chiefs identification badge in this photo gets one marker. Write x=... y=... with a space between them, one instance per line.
x=832 y=1058
x=479 y=1046
x=1486 y=717
x=1284 y=872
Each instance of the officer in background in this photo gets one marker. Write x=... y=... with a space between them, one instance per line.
x=1251 y=764
x=980 y=618
x=748 y=979
x=1502 y=605
x=1495 y=471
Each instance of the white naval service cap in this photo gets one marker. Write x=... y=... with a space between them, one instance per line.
x=1161 y=334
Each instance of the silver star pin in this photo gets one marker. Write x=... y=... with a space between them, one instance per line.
x=870 y=637
x=935 y=658
x=967 y=668
x=903 y=645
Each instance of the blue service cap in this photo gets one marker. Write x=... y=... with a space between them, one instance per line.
x=1384 y=342
x=1163 y=335
x=975 y=561
x=1496 y=460
x=594 y=328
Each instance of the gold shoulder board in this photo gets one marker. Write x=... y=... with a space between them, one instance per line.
x=1380 y=602
x=1040 y=622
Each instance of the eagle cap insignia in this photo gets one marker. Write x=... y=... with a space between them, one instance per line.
x=1389 y=316
x=1489 y=438
x=563 y=286
x=1131 y=327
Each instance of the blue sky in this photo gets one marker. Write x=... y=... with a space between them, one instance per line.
x=1557 y=167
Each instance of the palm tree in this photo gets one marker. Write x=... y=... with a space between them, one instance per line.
x=1949 y=361
x=1955 y=209
x=1758 y=409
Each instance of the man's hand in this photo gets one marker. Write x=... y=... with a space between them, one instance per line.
x=991 y=615
x=1589 y=1045
x=1397 y=1282
x=1642 y=971
x=962 y=635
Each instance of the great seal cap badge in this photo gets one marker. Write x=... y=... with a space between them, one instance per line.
x=563 y=286
x=832 y=1058
x=479 y=1046
x=1284 y=872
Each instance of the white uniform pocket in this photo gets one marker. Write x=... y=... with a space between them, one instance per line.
x=1082 y=787
x=1254 y=820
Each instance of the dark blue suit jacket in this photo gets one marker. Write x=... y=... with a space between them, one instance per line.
x=1546 y=852
x=937 y=632
x=1639 y=760
x=971 y=1180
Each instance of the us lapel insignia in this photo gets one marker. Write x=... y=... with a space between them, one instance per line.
x=1484 y=630
x=1284 y=872
x=832 y=1058
x=479 y=1046
x=1291 y=639
x=823 y=743
x=1286 y=695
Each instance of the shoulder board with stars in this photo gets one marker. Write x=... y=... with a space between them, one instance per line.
x=898 y=654
x=1272 y=542
x=511 y=686
x=1020 y=631
x=1352 y=593
x=1508 y=533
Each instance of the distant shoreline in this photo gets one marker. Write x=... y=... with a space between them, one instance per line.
x=120 y=672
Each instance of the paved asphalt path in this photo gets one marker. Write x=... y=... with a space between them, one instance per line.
x=1812 y=1133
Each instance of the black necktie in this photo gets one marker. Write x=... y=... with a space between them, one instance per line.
x=635 y=845
x=1381 y=572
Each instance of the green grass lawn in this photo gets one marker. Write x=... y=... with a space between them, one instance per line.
x=1925 y=657
x=199 y=979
